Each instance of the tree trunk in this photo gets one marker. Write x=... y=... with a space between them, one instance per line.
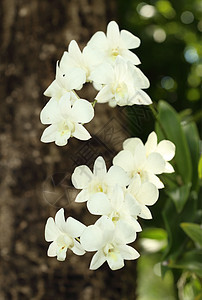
x=35 y=177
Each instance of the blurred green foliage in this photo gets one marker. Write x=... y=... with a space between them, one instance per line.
x=171 y=55
x=171 y=47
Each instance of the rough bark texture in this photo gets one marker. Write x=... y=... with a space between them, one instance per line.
x=35 y=177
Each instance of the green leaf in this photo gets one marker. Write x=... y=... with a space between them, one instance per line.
x=179 y=196
x=194 y=231
x=200 y=168
x=169 y=127
x=191 y=261
x=176 y=236
x=154 y=234
x=192 y=136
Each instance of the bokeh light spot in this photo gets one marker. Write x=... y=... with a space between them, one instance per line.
x=167 y=83
x=191 y=55
x=187 y=17
x=193 y=94
x=193 y=80
x=147 y=11
x=159 y=35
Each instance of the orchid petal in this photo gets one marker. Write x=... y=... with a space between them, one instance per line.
x=104 y=95
x=155 y=163
x=116 y=175
x=99 y=204
x=166 y=149
x=128 y=252
x=52 y=249
x=115 y=260
x=81 y=133
x=91 y=238
x=51 y=230
x=130 y=56
x=73 y=227
x=168 y=168
x=151 y=143
x=113 y=34
x=81 y=177
x=60 y=219
x=49 y=134
x=83 y=196
x=99 y=168
x=82 y=111
x=97 y=260
x=130 y=41
x=77 y=248
x=148 y=194
x=124 y=159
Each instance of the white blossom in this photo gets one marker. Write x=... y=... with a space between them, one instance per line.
x=165 y=148
x=84 y=61
x=65 y=83
x=143 y=194
x=66 y=120
x=122 y=84
x=63 y=235
x=115 y=43
x=133 y=160
x=110 y=244
x=98 y=181
x=118 y=208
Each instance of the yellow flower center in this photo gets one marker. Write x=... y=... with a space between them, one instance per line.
x=97 y=187
x=66 y=127
x=115 y=53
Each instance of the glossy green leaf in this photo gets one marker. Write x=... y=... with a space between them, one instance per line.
x=169 y=127
x=172 y=220
x=194 y=231
x=191 y=261
x=192 y=136
x=179 y=196
x=154 y=233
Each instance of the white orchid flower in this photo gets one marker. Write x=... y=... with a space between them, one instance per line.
x=115 y=43
x=110 y=244
x=98 y=181
x=133 y=160
x=122 y=84
x=146 y=160
x=117 y=208
x=63 y=235
x=66 y=120
x=143 y=194
x=165 y=148
x=65 y=83
x=84 y=61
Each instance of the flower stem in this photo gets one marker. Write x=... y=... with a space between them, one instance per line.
x=93 y=103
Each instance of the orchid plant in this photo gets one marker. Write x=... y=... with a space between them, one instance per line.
x=121 y=195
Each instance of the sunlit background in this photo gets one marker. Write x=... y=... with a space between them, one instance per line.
x=171 y=50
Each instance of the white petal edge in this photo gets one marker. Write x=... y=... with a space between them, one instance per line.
x=99 y=204
x=98 y=259
x=81 y=177
x=74 y=228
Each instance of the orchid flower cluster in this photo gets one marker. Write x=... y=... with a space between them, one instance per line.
x=110 y=66
x=121 y=195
